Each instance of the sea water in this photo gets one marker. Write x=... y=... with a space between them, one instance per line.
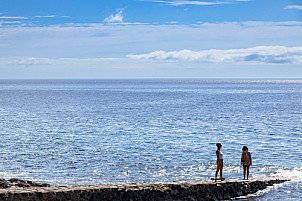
x=72 y=132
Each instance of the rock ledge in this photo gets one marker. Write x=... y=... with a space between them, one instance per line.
x=189 y=190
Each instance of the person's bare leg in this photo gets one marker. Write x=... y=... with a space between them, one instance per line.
x=216 y=173
x=221 y=178
x=244 y=170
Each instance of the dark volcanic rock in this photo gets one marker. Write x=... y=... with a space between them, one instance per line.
x=17 y=189
x=20 y=183
x=4 y=183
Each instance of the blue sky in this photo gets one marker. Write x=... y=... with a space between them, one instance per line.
x=79 y=39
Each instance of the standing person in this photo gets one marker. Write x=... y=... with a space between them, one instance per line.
x=246 y=161
x=219 y=155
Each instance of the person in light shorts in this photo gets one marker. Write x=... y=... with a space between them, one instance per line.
x=219 y=155
x=246 y=161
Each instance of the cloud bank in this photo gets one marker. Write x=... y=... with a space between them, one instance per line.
x=43 y=61
x=262 y=54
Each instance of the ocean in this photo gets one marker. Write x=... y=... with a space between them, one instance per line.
x=75 y=132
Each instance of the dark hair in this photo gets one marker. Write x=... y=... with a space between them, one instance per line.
x=244 y=148
x=218 y=145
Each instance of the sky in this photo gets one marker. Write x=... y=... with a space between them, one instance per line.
x=141 y=39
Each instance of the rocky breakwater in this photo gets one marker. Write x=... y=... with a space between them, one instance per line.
x=15 y=189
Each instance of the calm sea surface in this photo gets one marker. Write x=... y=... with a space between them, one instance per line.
x=68 y=132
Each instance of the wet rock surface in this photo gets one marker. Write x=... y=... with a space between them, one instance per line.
x=20 y=183
x=189 y=190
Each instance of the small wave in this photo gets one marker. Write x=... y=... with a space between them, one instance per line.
x=284 y=191
x=293 y=174
x=9 y=175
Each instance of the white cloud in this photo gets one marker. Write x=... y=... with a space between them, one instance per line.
x=198 y=3
x=96 y=50
x=262 y=54
x=93 y=40
x=259 y=54
x=180 y=3
x=42 y=61
x=299 y=7
x=117 y=18
x=11 y=17
x=13 y=22
x=130 y=23
x=47 y=16
x=26 y=61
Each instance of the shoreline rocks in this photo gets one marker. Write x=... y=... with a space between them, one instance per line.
x=20 y=183
x=176 y=191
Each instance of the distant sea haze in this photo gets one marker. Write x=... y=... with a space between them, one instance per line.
x=69 y=132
